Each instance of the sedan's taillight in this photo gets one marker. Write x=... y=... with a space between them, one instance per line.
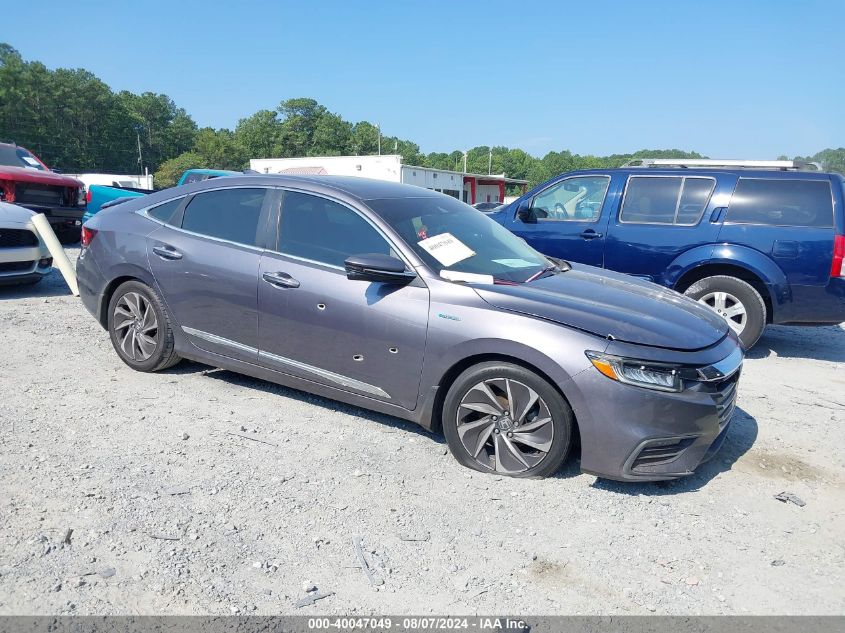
x=88 y=236
x=837 y=268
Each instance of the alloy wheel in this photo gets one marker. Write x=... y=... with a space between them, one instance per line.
x=136 y=326
x=728 y=307
x=505 y=425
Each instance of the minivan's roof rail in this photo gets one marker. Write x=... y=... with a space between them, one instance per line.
x=785 y=165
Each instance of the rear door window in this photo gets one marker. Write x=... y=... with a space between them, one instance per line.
x=666 y=199
x=782 y=203
x=165 y=211
x=227 y=214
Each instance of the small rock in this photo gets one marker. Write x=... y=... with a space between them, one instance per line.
x=778 y=563
x=107 y=572
x=453 y=568
x=258 y=564
x=357 y=473
x=243 y=428
x=268 y=592
x=477 y=531
x=308 y=586
x=651 y=607
x=57 y=587
x=185 y=436
x=233 y=609
x=692 y=581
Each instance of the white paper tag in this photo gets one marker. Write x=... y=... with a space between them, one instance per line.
x=447 y=249
x=31 y=161
x=470 y=278
x=515 y=263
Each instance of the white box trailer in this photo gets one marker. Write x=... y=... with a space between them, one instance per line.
x=470 y=188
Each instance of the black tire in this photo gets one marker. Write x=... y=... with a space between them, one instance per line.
x=163 y=354
x=555 y=435
x=738 y=291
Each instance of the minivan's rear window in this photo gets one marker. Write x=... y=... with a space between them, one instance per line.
x=782 y=203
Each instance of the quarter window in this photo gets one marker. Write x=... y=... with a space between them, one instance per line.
x=164 y=212
x=227 y=214
x=782 y=203
x=314 y=228
x=666 y=200
x=574 y=199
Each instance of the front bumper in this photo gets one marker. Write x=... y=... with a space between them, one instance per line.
x=631 y=433
x=59 y=216
x=25 y=262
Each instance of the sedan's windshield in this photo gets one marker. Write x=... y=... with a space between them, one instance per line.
x=18 y=157
x=453 y=238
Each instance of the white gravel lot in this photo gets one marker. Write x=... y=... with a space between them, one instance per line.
x=172 y=513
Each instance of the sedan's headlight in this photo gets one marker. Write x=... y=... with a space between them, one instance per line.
x=637 y=372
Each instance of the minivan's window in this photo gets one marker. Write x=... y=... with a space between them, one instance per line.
x=578 y=199
x=228 y=214
x=782 y=202
x=471 y=241
x=166 y=210
x=665 y=199
x=324 y=231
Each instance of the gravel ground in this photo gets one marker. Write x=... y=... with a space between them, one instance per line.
x=199 y=491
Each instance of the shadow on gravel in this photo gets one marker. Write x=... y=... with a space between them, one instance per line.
x=740 y=439
x=815 y=343
x=241 y=380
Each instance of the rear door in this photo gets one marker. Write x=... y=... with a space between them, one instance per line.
x=790 y=220
x=662 y=216
x=205 y=260
x=568 y=219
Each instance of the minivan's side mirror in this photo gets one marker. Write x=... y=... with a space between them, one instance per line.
x=524 y=213
x=377 y=267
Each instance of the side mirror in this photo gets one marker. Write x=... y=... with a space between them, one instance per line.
x=377 y=267
x=524 y=213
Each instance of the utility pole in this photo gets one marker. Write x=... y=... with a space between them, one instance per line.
x=140 y=158
x=378 y=127
x=465 y=162
x=490 y=161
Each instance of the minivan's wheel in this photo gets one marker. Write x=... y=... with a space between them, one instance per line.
x=140 y=329
x=502 y=418
x=736 y=301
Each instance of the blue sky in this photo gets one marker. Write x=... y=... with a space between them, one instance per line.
x=737 y=79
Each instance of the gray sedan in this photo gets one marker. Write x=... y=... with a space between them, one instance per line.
x=411 y=303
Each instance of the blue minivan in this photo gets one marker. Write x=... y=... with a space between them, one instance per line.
x=759 y=242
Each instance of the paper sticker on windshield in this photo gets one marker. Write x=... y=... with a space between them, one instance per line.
x=515 y=263
x=446 y=249
x=31 y=161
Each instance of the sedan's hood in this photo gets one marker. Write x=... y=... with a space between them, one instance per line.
x=23 y=174
x=613 y=305
x=13 y=214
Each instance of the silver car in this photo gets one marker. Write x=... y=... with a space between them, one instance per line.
x=411 y=303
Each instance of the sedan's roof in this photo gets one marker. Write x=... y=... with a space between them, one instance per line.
x=361 y=188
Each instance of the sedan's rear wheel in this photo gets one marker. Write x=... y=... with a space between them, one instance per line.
x=140 y=329
x=504 y=419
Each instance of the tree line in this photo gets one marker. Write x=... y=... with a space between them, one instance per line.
x=75 y=122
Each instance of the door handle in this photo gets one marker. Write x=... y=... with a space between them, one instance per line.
x=167 y=252
x=280 y=280
x=590 y=234
x=717 y=214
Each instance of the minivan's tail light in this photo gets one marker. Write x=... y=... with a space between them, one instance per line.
x=88 y=236
x=837 y=268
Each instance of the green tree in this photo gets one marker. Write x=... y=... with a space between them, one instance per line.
x=171 y=170
x=219 y=149
x=260 y=134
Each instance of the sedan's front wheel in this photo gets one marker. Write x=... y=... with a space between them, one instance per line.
x=140 y=329
x=502 y=418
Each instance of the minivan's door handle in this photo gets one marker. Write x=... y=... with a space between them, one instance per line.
x=590 y=234
x=280 y=280
x=167 y=252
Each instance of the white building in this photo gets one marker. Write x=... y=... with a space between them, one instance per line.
x=470 y=188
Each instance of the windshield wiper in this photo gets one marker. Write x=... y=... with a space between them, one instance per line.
x=558 y=266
